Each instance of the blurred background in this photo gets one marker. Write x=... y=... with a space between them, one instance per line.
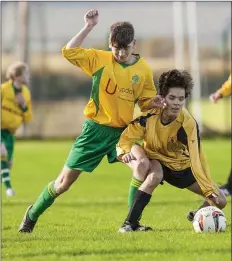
x=183 y=35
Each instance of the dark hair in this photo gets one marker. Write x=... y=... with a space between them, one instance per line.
x=121 y=34
x=175 y=78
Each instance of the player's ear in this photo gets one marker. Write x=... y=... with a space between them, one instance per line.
x=134 y=42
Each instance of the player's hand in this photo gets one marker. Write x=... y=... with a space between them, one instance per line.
x=91 y=18
x=214 y=97
x=159 y=102
x=214 y=199
x=126 y=158
x=20 y=100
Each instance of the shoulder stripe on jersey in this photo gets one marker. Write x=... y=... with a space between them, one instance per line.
x=143 y=119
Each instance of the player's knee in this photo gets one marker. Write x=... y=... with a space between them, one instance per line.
x=144 y=164
x=142 y=167
x=65 y=180
x=62 y=187
x=154 y=179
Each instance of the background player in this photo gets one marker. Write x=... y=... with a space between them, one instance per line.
x=15 y=110
x=224 y=91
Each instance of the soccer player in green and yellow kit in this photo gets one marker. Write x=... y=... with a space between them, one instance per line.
x=173 y=148
x=15 y=110
x=120 y=78
x=224 y=91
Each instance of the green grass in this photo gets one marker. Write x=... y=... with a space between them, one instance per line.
x=221 y=119
x=83 y=223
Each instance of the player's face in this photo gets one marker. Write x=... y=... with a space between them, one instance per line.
x=24 y=78
x=175 y=100
x=123 y=55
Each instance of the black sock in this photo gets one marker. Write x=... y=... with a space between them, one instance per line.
x=140 y=201
x=229 y=182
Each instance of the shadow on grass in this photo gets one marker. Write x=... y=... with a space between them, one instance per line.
x=109 y=252
x=103 y=203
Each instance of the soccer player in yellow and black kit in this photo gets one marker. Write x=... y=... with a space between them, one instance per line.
x=173 y=148
x=224 y=91
x=119 y=79
x=15 y=110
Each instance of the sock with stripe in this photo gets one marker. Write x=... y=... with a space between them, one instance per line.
x=134 y=185
x=44 y=201
x=5 y=174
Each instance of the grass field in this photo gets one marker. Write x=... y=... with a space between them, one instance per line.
x=82 y=225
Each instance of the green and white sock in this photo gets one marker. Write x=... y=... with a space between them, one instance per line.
x=5 y=174
x=44 y=201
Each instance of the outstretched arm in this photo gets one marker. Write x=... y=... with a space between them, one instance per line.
x=225 y=90
x=199 y=164
x=91 y=19
x=148 y=99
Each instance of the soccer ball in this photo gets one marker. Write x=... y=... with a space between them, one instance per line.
x=209 y=219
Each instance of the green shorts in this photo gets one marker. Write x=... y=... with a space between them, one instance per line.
x=95 y=142
x=8 y=140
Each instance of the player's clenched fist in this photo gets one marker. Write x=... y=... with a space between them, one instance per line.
x=91 y=18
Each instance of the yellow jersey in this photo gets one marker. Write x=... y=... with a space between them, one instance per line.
x=176 y=145
x=115 y=87
x=226 y=90
x=12 y=114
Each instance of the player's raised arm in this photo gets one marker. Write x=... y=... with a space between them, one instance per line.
x=88 y=60
x=91 y=19
x=199 y=164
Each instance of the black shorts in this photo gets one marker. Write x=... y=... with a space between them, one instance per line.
x=180 y=179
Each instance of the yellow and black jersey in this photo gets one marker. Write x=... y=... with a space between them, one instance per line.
x=12 y=114
x=176 y=145
x=226 y=90
x=115 y=87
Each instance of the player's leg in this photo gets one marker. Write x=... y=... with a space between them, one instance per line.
x=85 y=155
x=47 y=198
x=5 y=171
x=143 y=196
x=227 y=188
x=140 y=168
x=221 y=200
x=7 y=146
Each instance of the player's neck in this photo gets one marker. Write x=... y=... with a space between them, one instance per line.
x=166 y=119
x=17 y=84
x=132 y=59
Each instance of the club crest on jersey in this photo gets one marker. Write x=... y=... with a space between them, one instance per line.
x=135 y=79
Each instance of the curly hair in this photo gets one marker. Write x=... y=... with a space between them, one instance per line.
x=121 y=34
x=175 y=78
